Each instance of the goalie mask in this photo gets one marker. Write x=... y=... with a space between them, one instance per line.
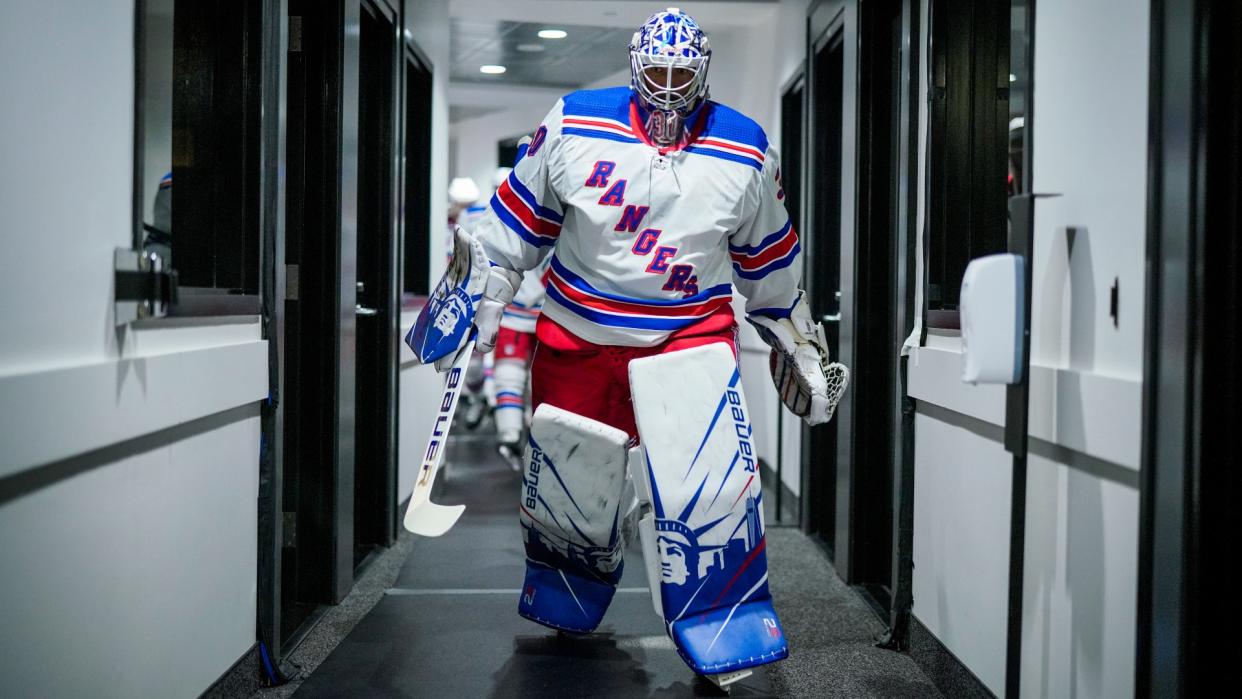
x=668 y=70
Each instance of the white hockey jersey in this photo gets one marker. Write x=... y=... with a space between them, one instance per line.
x=645 y=241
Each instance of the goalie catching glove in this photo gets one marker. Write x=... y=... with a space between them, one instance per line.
x=808 y=384
x=472 y=294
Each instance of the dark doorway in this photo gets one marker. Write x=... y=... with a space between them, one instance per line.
x=312 y=382
x=792 y=142
x=1188 y=608
x=417 y=185
x=375 y=428
x=1215 y=607
x=823 y=275
x=875 y=319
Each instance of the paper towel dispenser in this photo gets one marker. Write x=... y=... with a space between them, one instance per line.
x=992 y=307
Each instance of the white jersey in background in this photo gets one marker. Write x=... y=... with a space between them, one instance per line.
x=522 y=313
x=641 y=243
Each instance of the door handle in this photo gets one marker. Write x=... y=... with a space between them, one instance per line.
x=364 y=311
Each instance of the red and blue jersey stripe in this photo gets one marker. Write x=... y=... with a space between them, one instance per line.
x=517 y=207
x=572 y=292
x=730 y=135
x=728 y=150
x=774 y=252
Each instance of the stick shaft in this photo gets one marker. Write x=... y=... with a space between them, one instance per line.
x=433 y=454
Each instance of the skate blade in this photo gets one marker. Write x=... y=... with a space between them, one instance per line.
x=511 y=456
x=725 y=679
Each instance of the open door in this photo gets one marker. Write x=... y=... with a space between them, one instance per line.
x=823 y=270
x=376 y=307
x=876 y=339
x=318 y=382
x=784 y=506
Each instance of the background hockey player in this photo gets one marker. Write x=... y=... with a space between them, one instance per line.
x=515 y=345
x=649 y=203
x=466 y=205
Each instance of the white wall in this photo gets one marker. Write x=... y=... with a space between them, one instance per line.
x=129 y=476
x=1090 y=122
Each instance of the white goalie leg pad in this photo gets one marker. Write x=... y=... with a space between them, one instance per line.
x=646 y=525
x=572 y=483
x=703 y=482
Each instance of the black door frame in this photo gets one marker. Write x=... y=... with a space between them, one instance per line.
x=826 y=27
x=1189 y=484
x=792 y=174
x=272 y=295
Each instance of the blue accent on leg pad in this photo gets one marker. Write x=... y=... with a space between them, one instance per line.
x=562 y=599
x=752 y=636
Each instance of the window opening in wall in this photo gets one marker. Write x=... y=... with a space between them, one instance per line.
x=199 y=149
x=823 y=277
x=970 y=120
x=417 y=186
x=1018 y=175
x=506 y=151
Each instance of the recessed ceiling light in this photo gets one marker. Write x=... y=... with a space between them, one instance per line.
x=492 y=70
x=530 y=48
x=1013 y=78
x=552 y=34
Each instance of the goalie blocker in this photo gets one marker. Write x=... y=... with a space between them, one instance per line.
x=472 y=294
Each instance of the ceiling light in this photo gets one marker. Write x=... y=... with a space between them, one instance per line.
x=1013 y=78
x=552 y=34
x=530 y=48
x=492 y=70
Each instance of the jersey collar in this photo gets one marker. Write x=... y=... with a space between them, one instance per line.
x=638 y=124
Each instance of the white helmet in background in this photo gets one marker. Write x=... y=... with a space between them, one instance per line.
x=463 y=191
x=501 y=174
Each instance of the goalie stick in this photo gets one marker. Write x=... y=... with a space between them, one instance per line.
x=424 y=517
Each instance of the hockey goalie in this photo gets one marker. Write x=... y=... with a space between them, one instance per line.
x=649 y=204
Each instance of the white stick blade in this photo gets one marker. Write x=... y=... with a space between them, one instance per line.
x=429 y=519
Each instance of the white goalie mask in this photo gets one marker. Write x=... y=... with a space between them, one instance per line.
x=668 y=69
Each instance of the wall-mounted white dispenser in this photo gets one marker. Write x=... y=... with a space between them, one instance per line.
x=992 y=309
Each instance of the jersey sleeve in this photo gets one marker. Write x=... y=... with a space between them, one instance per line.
x=766 y=254
x=523 y=219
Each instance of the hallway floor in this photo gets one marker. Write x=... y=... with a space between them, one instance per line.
x=448 y=625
